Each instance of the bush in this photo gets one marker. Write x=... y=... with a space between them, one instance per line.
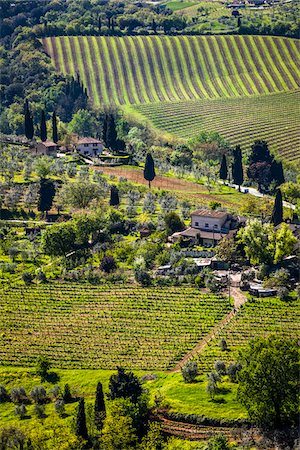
x=41 y=276
x=59 y=407
x=27 y=277
x=282 y=293
x=232 y=371
x=220 y=367
x=20 y=410
x=42 y=366
x=219 y=442
x=39 y=411
x=38 y=394
x=18 y=395
x=4 y=397
x=143 y=277
x=223 y=345
x=190 y=371
x=108 y=264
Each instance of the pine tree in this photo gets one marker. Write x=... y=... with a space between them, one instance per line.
x=149 y=170
x=111 y=133
x=277 y=172
x=277 y=214
x=81 y=429
x=114 y=196
x=43 y=127
x=237 y=167
x=54 y=128
x=223 y=169
x=100 y=411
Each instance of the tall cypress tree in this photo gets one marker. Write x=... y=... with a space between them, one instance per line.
x=237 y=167
x=28 y=121
x=114 y=196
x=54 y=128
x=104 y=129
x=81 y=429
x=43 y=127
x=111 y=133
x=223 y=168
x=277 y=214
x=46 y=195
x=100 y=410
x=149 y=170
x=277 y=172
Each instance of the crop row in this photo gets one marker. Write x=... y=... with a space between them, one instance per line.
x=274 y=118
x=256 y=319
x=146 y=69
x=90 y=327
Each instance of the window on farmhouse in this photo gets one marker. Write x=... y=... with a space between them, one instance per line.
x=206 y=225
x=85 y=145
x=196 y=224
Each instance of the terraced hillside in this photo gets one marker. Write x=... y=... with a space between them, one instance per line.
x=145 y=69
x=274 y=118
x=85 y=326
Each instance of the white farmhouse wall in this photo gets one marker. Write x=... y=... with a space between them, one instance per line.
x=208 y=223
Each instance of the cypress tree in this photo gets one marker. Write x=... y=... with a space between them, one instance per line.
x=46 y=195
x=223 y=169
x=111 y=133
x=28 y=121
x=114 y=196
x=277 y=214
x=54 y=128
x=100 y=411
x=149 y=170
x=81 y=429
x=104 y=129
x=277 y=172
x=43 y=127
x=237 y=167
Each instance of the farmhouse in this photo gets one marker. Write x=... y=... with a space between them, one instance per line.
x=46 y=148
x=208 y=227
x=89 y=146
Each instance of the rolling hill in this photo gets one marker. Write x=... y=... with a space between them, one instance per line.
x=172 y=80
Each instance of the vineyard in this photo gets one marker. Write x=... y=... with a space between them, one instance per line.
x=84 y=326
x=274 y=118
x=146 y=69
x=257 y=318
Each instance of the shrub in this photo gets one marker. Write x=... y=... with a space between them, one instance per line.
x=41 y=276
x=142 y=277
x=282 y=293
x=42 y=366
x=108 y=264
x=4 y=397
x=223 y=345
x=18 y=395
x=27 y=277
x=220 y=367
x=219 y=442
x=59 y=407
x=39 y=411
x=38 y=394
x=189 y=371
x=20 y=410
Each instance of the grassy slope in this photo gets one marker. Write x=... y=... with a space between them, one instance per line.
x=162 y=68
x=241 y=121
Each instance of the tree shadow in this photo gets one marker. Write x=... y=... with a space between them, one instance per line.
x=223 y=390
x=52 y=377
x=218 y=400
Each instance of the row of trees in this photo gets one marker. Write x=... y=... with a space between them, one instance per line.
x=29 y=128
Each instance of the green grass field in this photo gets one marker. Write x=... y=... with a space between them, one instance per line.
x=274 y=118
x=85 y=326
x=146 y=69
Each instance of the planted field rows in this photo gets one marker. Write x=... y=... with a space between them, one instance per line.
x=255 y=319
x=83 y=326
x=274 y=118
x=146 y=69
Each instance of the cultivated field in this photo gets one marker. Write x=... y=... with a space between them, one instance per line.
x=145 y=69
x=85 y=326
x=256 y=318
x=274 y=118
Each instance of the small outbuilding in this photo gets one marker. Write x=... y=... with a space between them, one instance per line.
x=46 y=148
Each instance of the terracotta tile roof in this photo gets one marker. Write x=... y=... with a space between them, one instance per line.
x=209 y=213
x=49 y=144
x=89 y=140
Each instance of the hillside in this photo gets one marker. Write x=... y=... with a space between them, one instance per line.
x=145 y=69
x=274 y=118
